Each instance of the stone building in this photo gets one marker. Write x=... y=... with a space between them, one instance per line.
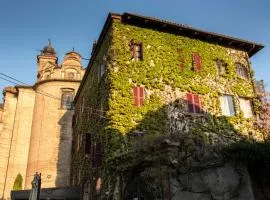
x=36 y=131
x=158 y=106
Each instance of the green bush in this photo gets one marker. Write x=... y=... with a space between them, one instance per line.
x=18 y=182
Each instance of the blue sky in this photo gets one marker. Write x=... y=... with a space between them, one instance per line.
x=26 y=25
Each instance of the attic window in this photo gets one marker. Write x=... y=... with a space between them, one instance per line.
x=222 y=67
x=241 y=70
x=137 y=50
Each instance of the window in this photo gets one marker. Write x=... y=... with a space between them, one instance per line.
x=260 y=87
x=79 y=141
x=66 y=100
x=138 y=95
x=137 y=50
x=73 y=120
x=70 y=75
x=197 y=63
x=221 y=67
x=245 y=106
x=96 y=158
x=79 y=176
x=86 y=191
x=194 y=103
x=227 y=105
x=241 y=70
x=101 y=70
x=82 y=105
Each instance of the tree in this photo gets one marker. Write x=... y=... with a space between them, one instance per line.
x=18 y=182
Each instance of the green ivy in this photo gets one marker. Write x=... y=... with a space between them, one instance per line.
x=159 y=69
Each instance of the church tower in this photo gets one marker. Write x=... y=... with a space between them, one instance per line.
x=46 y=61
x=51 y=134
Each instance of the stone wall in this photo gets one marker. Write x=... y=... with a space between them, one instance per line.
x=6 y=134
x=21 y=136
x=51 y=136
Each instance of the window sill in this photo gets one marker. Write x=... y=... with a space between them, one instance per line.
x=194 y=114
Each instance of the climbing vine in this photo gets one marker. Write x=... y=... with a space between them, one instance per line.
x=166 y=73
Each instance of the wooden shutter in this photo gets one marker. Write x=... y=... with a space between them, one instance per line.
x=141 y=52
x=190 y=102
x=138 y=95
x=141 y=89
x=197 y=63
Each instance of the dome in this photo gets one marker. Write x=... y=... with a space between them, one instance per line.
x=48 y=50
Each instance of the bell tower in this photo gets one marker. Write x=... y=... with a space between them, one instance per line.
x=46 y=61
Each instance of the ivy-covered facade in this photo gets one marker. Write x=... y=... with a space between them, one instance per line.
x=159 y=103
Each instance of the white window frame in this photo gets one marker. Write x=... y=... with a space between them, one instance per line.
x=246 y=107
x=227 y=105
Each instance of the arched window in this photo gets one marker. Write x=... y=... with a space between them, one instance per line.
x=66 y=100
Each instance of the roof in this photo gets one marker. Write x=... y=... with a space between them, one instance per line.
x=179 y=29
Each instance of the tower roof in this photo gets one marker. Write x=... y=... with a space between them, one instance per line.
x=48 y=49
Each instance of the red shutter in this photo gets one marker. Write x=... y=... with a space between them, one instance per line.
x=197 y=103
x=138 y=95
x=141 y=95
x=190 y=102
x=197 y=62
